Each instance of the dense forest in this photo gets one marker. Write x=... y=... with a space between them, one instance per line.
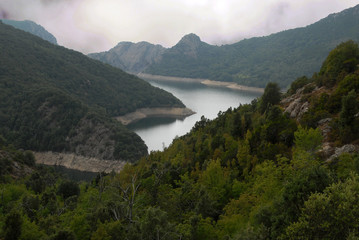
x=53 y=98
x=254 y=172
x=280 y=57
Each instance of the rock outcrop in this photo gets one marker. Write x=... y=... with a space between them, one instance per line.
x=81 y=163
x=349 y=148
x=295 y=105
x=131 y=57
x=189 y=45
x=33 y=28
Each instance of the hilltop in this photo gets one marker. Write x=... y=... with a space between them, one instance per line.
x=33 y=28
x=280 y=57
x=56 y=99
x=131 y=57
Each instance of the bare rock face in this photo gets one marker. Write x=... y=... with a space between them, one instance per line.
x=326 y=150
x=324 y=125
x=295 y=106
x=81 y=163
x=349 y=148
x=189 y=45
x=33 y=28
x=131 y=57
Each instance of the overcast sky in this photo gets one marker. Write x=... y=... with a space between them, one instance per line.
x=98 y=25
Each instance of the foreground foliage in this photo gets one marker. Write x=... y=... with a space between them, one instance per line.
x=252 y=173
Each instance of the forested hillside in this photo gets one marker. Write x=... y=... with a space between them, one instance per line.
x=280 y=57
x=52 y=98
x=283 y=167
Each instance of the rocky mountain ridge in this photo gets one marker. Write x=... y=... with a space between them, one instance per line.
x=33 y=28
x=131 y=57
x=280 y=57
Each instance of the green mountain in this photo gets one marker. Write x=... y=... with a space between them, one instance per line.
x=131 y=57
x=285 y=166
x=52 y=98
x=33 y=28
x=280 y=57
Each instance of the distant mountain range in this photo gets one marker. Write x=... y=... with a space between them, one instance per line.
x=33 y=28
x=56 y=99
x=280 y=57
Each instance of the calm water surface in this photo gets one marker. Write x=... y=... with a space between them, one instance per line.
x=205 y=101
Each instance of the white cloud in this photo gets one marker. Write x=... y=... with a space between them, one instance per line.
x=93 y=25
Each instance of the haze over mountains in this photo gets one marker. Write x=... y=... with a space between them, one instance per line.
x=33 y=28
x=56 y=99
x=280 y=57
x=131 y=57
x=284 y=166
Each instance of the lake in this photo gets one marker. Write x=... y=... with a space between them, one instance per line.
x=204 y=100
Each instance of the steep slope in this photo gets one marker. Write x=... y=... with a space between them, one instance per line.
x=280 y=57
x=33 y=28
x=254 y=172
x=56 y=99
x=131 y=57
x=190 y=57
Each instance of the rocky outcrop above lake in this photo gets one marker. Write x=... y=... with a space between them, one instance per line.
x=81 y=163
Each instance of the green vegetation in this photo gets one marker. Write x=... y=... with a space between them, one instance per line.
x=244 y=175
x=52 y=98
x=280 y=57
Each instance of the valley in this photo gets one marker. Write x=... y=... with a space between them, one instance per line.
x=257 y=139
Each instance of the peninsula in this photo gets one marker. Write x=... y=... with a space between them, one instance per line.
x=172 y=112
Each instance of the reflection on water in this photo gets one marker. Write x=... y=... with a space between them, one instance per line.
x=205 y=101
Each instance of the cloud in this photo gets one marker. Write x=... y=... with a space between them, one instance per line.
x=93 y=25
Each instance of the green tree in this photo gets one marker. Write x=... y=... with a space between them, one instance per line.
x=68 y=189
x=333 y=214
x=308 y=140
x=349 y=108
x=271 y=96
x=343 y=58
x=237 y=130
x=12 y=227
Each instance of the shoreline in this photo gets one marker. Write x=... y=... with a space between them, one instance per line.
x=207 y=82
x=77 y=162
x=178 y=113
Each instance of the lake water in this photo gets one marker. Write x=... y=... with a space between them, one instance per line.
x=205 y=101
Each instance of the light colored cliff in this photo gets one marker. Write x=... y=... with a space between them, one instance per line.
x=206 y=82
x=73 y=161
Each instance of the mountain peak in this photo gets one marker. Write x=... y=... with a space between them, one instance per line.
x=189 y=45
x=190 y=40
x=31 y=27
x=191 y=37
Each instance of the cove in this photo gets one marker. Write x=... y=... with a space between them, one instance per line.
x=206 y=101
